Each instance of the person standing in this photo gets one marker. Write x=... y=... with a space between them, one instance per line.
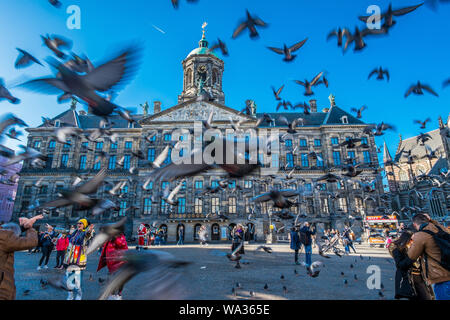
x=426 y=245
x=142 y=231
x=409 y=283
x=61 y=246
x=296 y=245
x=111 y=257
x=348 y=241
x=75 y=259
x=305 y=239
x=180 y=236
x=10 y=242
x=238 y=240
x=203 y=234
x=47 y=246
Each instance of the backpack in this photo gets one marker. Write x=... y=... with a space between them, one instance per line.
x=304 y=238
x=442 y=240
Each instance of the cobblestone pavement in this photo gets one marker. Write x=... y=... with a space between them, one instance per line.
x=211 y=277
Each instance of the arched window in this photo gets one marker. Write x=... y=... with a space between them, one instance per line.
x=196 y=230
x=214 y=76
x=189 y=79
x=403 y=176
x=215 y=232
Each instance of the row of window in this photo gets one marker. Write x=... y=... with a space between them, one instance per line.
x=168 y=137
x=304 y=159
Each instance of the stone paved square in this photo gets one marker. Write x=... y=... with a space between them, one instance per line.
x=215 y=282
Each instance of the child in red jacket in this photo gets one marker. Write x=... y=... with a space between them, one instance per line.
x=61 y=246
x=111 y=257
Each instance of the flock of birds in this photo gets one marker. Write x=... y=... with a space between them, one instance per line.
x=95 y=85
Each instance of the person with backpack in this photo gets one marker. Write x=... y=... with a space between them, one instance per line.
x=410 y=283
x=305 y=239
x=296 y=245
x=431 y=243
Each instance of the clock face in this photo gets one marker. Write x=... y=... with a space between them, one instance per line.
x=202 y=69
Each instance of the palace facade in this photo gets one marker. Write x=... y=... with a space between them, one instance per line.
x=322 y=132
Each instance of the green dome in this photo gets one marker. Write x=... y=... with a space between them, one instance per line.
x=203 y=50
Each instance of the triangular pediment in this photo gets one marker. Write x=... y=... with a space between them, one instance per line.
x=191 y=111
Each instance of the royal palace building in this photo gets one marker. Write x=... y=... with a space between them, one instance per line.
x=321 y=134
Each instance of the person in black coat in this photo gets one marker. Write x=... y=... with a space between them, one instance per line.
x=409 y=283
x=296 y=245
x=237 y=239
x=47 y=246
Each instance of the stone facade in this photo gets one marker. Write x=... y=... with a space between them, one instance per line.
x=404 y=177
x=321 y=132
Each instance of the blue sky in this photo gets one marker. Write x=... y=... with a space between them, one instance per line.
x=416 y=49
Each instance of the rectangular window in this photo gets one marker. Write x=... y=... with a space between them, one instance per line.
x=85 y=145
x=317 y=142
x=181 y=205
x=248 y=184
x=322 y=187
x=52 y=144
x=64 y=160
x=214 y=183
x=289 y=160
x=67 y=145
x=48 y=163
x=232 y=184
x=43 y=190
x=366 y=155
x=127 y=162
x=167 y=137
x=27 y=190
x=288 y=143
x=343 y=204
x=364 y=140
x=198 y=205
x=37 y=144
x=215 y=205
x=151 y=154
x=199 y=184
x=123 y=208
x=97 y=163
x=112 y=163
x=99 y=145
x=337 y=158
x=113 y=146
x=232 y=205
x=169 y=157
x=124 y=189
x=147 y=205
x=275 y=160
x=351 y=155
x=128 y=144
x=303 y=143
x=319 y=161
x=163 y=206
x=334 y=141
x=305 y=161
x=82 y=162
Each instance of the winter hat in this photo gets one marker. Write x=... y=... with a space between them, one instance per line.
x=84 y=222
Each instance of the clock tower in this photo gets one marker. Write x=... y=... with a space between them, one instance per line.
x=203 y=71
